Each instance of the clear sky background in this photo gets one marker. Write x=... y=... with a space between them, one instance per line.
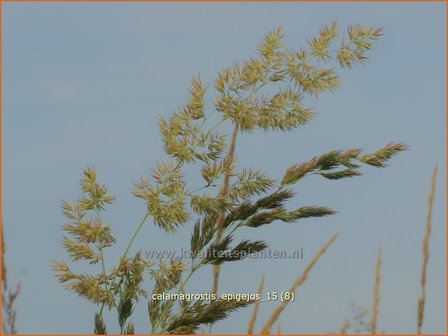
x=83 y=84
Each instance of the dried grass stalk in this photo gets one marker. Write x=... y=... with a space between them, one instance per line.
x=344 y=328
x=425 y=251
x=251 y=324
x=298 y=282
x=4 y=278
x=224 y=193
x=8 y=298
x=376 y=293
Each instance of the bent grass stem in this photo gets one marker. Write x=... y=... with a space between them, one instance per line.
x=125 y=254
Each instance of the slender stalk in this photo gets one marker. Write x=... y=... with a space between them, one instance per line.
x=344 y=328
x=298 y=282
x=376 y=293
x=125 y=254
x=4 y=277
x=103 y=266
x=101 y=252
x=224 y=192
x=8 y=297
x=251 y=324
x=133 y=238
x=425 y=251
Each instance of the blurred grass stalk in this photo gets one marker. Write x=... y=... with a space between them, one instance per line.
x=425 y=252
x=8 y=298
x=251 y=324
x=297 y=283
x=376 y=293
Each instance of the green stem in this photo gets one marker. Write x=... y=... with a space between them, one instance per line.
x=192 y=193
x=100 y=249
x=133 y=237
x=127 y=251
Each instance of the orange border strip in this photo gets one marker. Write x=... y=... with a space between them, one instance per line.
x=190 y=1
x=237 y=1
x=1 y=163
x=446 y=161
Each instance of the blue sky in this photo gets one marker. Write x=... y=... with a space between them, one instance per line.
x=84 y=84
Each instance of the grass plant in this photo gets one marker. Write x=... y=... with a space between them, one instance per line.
x=268 y=91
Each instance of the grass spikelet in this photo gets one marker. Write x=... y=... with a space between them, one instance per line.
x=100 y=327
